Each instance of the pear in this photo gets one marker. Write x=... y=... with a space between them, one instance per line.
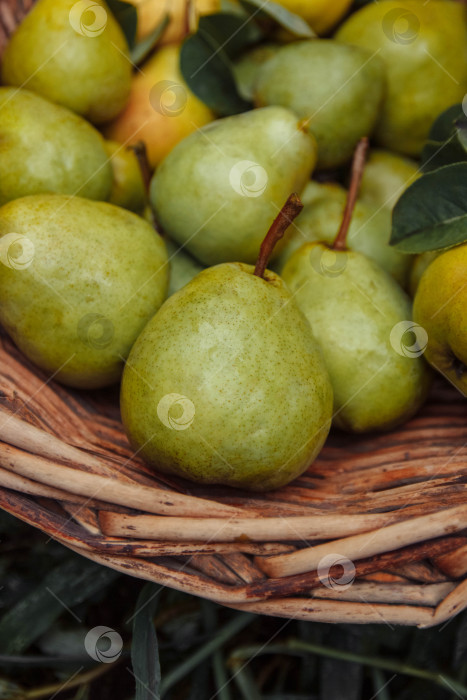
x=369 y=230
x=440 y=307
x=336 y=89
x=246 y=68
x=128 y=189
x=74 y=53
x=226 y=361
x=360 y=318
x=321 y=15
x=78 y=282
x=221 y=187
x=424 y=48
x=387 y=175
x=151 y=14
x=419 y=265
x=182 y=267
x=161 y=109
x=47 y=148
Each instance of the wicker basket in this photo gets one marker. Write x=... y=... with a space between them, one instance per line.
x=375 y=531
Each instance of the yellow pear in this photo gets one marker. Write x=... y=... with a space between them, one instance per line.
x=152 y=12
x=321 y=15
x=161 y=109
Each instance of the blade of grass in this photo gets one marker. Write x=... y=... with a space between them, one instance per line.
x=235 y=625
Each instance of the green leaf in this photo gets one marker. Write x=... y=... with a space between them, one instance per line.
x=447 y=140
x=144 y=647
x=127 y=17
x=205 y=61
x=143 y=48
x=272 y=10
x=432 y=213
x=66 y=586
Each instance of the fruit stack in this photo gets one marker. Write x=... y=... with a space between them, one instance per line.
x=252 y=220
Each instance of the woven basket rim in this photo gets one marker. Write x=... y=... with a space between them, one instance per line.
x=386 y=513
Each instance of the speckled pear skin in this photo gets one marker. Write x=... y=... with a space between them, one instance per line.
x=338 y=89
x=73 y=53
x=424 y=49
x=368 y=233
x=352 y=306
x=47 y=148
x=221 y=188
x=255 y=400
x=386 y=176
x=78 y=282
x=440 y=306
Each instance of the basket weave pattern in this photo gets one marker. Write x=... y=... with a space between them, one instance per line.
x=386 y=515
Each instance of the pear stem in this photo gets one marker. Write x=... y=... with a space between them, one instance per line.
x=358 y=166
x=140 y=151
x=281 y=223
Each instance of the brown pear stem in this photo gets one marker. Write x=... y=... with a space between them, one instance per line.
x=358 y=166
x=281 y=223
x=140 y=151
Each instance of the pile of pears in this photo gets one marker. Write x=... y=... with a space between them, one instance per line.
x=234 y=274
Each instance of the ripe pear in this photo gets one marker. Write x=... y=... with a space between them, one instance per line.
x=161 y=109
x=360 y=317
x=151 y=14
x=226 y=384
x=128 y=190
x=221 y=187
x=74 y=53
x=336 y=89
x=78 y=282
x=387 y=175
x=419 y=265
x=440 y=307
x=321 y=15
x=182 y=267
x=357 y=313
x=47 y=148
x=247 y=67
x=424 y=48
x=369 y=230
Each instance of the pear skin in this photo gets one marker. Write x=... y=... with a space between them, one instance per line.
x=440 y=307
x=424 y=48
x=161 y=109
x=321 y=15
x=78 y=282
x=73 y=53
x=221 y=187
x=47 y=148
x=387 y=175
x=224 y=362
x=360 y=317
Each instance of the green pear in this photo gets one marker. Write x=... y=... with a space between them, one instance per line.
x=78 y=282
x=128 y=190
x=182 y=267
x=369 y=230
x=360 y=318
x=246 y=68
x=387 y=175
x=220 y=188
x=419 y=265
x=336 y=89
x=440 y=307
x=226 y=384
x=74 y=53
x=47 y=148
x=424 y=48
